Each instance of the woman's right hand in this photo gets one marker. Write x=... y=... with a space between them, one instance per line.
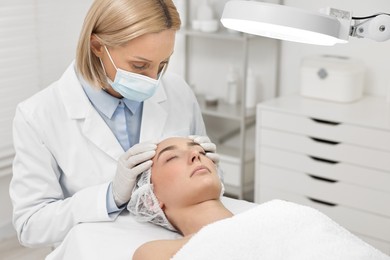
x=132 y=163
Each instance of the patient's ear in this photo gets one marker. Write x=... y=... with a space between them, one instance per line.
x=161 y=204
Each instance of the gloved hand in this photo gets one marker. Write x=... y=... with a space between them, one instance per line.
x=132 y=163
x=209 y=147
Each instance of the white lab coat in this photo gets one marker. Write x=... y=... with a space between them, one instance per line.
x=66 y=155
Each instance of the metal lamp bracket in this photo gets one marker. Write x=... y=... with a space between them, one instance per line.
x=376 y=28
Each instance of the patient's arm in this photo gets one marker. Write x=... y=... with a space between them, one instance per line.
x=159 y=249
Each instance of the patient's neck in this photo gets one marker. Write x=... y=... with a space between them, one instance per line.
x=191 y=219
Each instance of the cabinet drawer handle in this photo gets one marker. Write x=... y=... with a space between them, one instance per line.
x=321 y=178
x=323 y=160
x=322 y=202
x=321 y=121
x=323 y=141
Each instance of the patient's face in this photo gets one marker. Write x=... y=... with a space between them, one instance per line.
x=182 y=174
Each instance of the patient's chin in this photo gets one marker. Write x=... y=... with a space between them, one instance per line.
x=210 y=190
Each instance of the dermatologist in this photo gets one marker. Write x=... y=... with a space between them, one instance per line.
x=81 y=142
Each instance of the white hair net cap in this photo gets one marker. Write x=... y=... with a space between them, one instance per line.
x=144 y=204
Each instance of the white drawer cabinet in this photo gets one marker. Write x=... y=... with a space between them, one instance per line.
x=330 y=156
x=232 y=178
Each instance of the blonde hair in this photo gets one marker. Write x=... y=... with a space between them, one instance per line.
x=116 y=22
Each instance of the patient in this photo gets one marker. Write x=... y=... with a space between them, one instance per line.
x=182 y=193
x=184 y=197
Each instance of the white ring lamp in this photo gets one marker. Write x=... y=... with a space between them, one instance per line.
x=293 y=24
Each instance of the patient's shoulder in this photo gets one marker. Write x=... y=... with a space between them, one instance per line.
x=159 y=249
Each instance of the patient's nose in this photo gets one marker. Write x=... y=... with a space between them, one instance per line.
x=194 y=156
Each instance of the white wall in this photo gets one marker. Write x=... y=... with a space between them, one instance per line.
x=376 y=55
x=59 y=23
x=6 y=228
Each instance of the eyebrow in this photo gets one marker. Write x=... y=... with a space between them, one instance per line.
x=141 y=58
x=174 y=147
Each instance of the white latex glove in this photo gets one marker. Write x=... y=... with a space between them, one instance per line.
x=132 y=163
x=209 y=147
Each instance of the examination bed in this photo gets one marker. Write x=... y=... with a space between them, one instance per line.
x=272 y=230
x=119 y=239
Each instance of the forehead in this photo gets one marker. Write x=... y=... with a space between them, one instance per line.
x=173 y=141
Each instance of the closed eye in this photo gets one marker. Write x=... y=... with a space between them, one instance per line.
x=171 y=158
x=140 y=66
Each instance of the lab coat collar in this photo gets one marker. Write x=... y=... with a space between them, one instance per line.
x=75 y=100
x=103 y=101
x=79 y=107
x=154 y=115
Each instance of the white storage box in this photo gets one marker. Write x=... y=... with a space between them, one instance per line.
x=334 y=78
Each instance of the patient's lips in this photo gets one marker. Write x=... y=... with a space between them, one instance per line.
x=200 y=170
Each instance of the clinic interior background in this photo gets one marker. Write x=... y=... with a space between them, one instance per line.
x=39 y=38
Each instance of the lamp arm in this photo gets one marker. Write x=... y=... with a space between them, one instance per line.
x=376 y=27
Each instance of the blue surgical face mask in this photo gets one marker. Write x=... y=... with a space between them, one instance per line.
x=131 y=85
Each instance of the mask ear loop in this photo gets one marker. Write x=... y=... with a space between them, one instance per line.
x=162 y=72
x=104 y=70
x=109 y=56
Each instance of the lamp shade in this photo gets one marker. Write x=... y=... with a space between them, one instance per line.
x=281 y=22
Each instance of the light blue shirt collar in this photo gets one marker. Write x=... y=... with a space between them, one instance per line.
x=106 y=103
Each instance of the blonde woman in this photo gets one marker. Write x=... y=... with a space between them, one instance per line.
x=81 y=142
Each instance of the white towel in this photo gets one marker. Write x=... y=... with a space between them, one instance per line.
x=277 y=230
